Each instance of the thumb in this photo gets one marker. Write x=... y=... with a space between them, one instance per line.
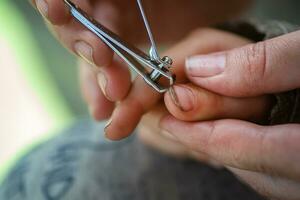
x=265 y=67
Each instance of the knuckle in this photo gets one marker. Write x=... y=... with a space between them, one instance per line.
x=255 y=64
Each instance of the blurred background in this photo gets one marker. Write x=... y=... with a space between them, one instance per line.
x=39 y=90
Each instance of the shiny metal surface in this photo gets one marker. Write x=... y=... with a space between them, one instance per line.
x=135 y=58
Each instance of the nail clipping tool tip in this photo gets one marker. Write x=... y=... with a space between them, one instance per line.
x=174 y=97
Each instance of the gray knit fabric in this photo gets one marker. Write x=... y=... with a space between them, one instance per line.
x=81 y=165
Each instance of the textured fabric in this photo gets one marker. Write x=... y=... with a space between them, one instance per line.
x=81 y=165
x=287 y=108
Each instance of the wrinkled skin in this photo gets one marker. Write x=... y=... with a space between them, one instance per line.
x=228 y=91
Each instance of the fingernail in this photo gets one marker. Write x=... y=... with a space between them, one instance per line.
x=174 y=97
x=205 y=65
x=168 y=135
x=182 y=97
x=85 y=51
x=42 y=6
x=109 y=122
x=102 y=82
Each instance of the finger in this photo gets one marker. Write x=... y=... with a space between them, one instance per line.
x=113 y=77
x=141 y=97
x=270 y=186
x=114 y=80
x=128 y=112
x=100 y=108
x=150 y=133
x=191 y=103
x=161 y=143
x=243 y=145
x=81 y=41
x=265 y=67
x=53 y=10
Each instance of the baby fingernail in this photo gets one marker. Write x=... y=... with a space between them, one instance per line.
x=85 y=51
x=206 y=65
x=174 y=97
x=109 y=122
x=182 y=98
x=102 y=82
x=42 y=6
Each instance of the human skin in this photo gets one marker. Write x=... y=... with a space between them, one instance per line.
x=202 y=104
x=265 y=157
x=109 y=80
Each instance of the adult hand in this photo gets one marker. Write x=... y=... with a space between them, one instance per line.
x=266 y=157
x=110 y=80
x=209 y=105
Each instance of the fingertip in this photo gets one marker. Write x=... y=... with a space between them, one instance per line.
x=113 y=76
x=180 y=99
x=186 y=102
x=192 y=103
x=173 y=105
x=116 y=132
x=123 y=122
x=130 y=111
x=101 y=112
x=99 y=107
x=54 y=11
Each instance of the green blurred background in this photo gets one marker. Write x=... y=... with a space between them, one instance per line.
x=52 y=70
x=61 y=65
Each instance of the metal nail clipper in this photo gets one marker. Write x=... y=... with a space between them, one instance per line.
x=151 y=67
